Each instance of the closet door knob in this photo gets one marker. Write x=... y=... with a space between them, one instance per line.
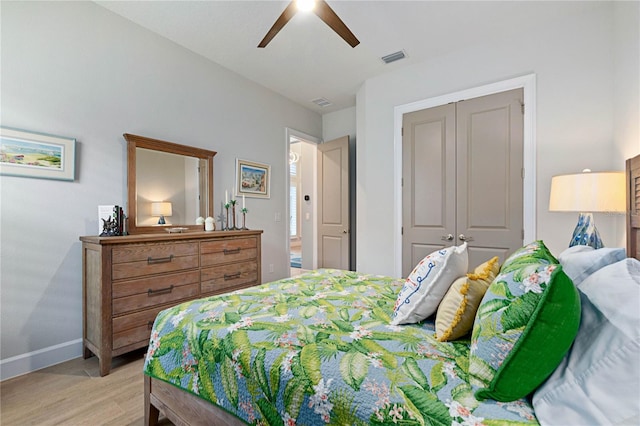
x=448 y=237
x=461 y=237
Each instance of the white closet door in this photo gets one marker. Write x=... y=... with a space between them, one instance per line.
x=462 y=178
x=490 y=182
x=429 y=183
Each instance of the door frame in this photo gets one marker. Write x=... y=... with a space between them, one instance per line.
x=289 y=133
x=528 y=84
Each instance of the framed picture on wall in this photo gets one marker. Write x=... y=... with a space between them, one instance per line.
x=252 y=179
x=37 y=155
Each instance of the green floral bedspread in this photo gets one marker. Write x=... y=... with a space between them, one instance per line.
x=316 y=349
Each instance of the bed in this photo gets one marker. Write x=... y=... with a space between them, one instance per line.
x=326 y=348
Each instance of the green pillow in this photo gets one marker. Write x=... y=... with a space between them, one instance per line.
x=524 y=326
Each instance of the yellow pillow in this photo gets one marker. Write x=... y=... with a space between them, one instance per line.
x=457 y=310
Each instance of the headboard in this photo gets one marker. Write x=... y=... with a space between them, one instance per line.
x=633 y=206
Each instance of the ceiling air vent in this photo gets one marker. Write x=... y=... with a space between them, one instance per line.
x=321 y=102
x=395 y=56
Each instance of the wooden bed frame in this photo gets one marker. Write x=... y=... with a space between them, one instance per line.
x=633 y=206
x=183 y=408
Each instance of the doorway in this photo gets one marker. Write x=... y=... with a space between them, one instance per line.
x=301 y=186
x=295 y=207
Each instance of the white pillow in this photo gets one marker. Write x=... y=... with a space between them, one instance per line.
x=428 y=283
x=616 y=293
x=598 y=382
x=579 y=261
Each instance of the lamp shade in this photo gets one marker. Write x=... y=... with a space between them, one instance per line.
x=588 y=192
x=161 y=208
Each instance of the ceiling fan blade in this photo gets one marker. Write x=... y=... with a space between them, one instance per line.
x=330 y=18
x=280 y=22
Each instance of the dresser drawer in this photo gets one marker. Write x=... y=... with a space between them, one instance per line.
x=135 y=327
x=226 y=251
x=153 y=291
x=138 y=335
x=223 y=277
x=148 y=259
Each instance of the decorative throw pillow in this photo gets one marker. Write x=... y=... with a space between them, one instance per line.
x=458 y=308
x=426 y=285
x=598 y=382
x=578 y=262
x=524 y=326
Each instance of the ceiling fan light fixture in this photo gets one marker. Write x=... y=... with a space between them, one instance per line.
x=305 y=5
x=322 y=10
x=395 y=56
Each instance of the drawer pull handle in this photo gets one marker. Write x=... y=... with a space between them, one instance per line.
x=234 y=251
x=152 y=261
x=152 y=292
x=150 y=325
x=231 y=276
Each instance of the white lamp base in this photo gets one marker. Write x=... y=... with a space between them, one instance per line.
x=586 y=233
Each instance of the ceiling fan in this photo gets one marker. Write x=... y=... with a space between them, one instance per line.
x=320 y=8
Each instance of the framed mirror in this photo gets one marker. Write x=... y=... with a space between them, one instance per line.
x=169 y=185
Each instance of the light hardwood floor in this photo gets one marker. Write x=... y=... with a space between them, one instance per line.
x=74 y=394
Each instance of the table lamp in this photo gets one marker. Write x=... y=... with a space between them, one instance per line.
x=162 y=209
x=586 y=193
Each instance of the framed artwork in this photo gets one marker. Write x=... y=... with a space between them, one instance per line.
x=252 y=179
x=37 y=155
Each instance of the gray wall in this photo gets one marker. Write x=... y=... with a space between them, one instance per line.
x=578 y=62
x=75 y=69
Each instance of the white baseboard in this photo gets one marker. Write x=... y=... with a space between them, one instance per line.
x=32 y=361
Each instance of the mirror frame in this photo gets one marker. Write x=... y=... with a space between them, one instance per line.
x=135 y=141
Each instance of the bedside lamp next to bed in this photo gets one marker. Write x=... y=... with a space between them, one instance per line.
x=162 y=209
x=587 y=193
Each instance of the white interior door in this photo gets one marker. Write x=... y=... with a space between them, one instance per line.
x=333 y=204
x=428 y=182
x=489 y=201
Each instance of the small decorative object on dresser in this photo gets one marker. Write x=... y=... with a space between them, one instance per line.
x=127 y=280
x=111 y=221
x=244 y=217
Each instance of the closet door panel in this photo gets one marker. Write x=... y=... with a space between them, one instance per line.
x=489 y=187
x=429 y=175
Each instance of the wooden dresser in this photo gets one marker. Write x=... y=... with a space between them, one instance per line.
x=127 y=280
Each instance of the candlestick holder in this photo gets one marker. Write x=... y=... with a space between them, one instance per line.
x=226 y=222
x=244 y=218
x=233 y=215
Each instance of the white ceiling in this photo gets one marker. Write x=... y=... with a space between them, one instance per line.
x=307 y=60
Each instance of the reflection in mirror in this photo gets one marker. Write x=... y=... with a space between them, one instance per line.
x=168 y=183
x=166 y=177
